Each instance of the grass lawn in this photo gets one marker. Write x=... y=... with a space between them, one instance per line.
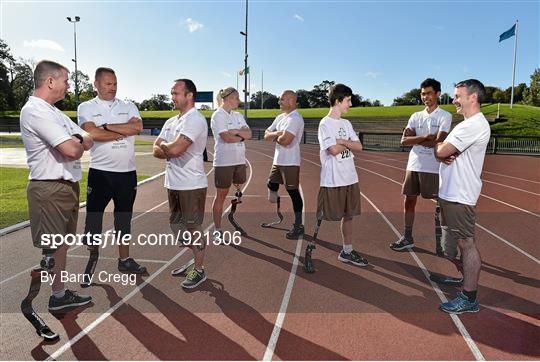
x=13 y=203
x=522 y=119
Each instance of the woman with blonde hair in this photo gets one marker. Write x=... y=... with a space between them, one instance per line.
x=230 y=130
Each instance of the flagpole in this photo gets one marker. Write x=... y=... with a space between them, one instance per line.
x=262 y=89
x=514 y=67
x=236 y=80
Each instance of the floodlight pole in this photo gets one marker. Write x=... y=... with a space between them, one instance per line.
x=245 y=34
x=75 y=21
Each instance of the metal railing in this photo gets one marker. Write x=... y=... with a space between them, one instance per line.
x=391 y=141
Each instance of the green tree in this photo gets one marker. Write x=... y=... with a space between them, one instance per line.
x=532 y=94
x=7 y=61
x=22 y=84
x=270 y=100
x=409 y=98
x=499 y=96
x=318 y=97
x=302 y=98
x=158 y=102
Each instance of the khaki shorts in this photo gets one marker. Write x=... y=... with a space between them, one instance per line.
x=285 y=175
x=457 y=222
x=421 y=183
x=53 y=207
x=186 y=208
x=334 y=203
x=225 y=176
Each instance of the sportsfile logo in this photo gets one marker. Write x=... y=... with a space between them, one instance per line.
x=112 y=238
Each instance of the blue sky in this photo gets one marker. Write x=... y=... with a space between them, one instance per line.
x=379 y=48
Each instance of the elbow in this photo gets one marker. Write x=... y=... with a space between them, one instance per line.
x=74 y=153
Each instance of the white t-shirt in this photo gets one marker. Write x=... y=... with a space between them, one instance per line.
x=227 y=154
x=422 y=159
x=293 y=123
x=43 y=127
x=460 y=181
x=187 y=171
x=117 y=155
x=336 y=170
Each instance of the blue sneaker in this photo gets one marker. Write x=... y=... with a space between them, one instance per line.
x=460 y=305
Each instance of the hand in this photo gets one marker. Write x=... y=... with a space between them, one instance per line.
x=164 y=148
x=340 y=141
x=133 y=120
x=448 y=160
x=430 y=137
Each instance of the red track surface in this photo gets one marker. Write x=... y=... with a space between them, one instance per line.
x=258 y=303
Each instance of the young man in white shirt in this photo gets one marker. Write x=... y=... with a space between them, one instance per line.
x=423 y=131
x=54 y=145
x=113 y=124
x=230 y=130
x=462 y=158
x=287 y=131
x=181 y=142
x=339 y=194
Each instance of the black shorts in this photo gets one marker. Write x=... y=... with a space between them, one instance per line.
x=104 y=186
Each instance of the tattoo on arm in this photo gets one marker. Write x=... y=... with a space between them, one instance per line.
x=183 y=136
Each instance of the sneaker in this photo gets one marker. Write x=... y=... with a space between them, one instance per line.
x=460 y=305
x=130 y=266
x=402 y=244
x=70 y=299
x=295 y=232
x=193 y=279
x=353 y=257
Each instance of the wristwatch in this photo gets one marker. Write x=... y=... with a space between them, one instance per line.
x=104 y=125
x=79 y=137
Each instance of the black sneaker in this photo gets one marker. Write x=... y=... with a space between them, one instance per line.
x=130 y=266
x=295 y=232
x=193 y=279
x=353 y=257
x=70 y=299
x=402 y=244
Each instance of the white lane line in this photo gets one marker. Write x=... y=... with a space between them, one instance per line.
x=26 y=223
x=509 y=243
x=514 y=177
x=483 y=171
x=484 y=180
x=486 y=196
x=459 y=325
x=272 y=342
x=268 y=354
x=54 y=356
x=111 y=310
x=78 y=246
x=110 y=258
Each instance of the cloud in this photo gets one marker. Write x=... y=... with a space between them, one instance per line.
x=299 y=18
x=43 y=44
x=372 y=75
x=193 y=25
x=227 y=75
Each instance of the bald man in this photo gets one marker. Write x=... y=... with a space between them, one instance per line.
x=286 y=131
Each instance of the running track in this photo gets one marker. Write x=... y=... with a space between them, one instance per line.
x=258 y=303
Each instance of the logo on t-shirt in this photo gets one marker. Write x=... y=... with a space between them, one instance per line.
x=342 y=133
